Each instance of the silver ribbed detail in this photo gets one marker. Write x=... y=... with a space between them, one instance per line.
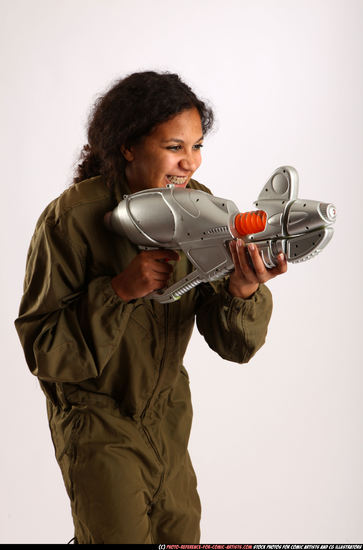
x=187 y=286
x=223 y=229
x=305 y=258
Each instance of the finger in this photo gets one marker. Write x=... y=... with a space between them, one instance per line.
x=233 y=250
x=246 y=268
x=258 y=264
x=150 y=269
x=163 y=254
x=161 y=279
x=157 y=280
x=281 y=265
x=281 y=258
x=160 y=266
x=277 y=270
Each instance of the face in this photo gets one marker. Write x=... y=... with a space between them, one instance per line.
x=170 y=154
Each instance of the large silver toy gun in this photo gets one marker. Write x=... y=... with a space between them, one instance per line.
x=201 y=225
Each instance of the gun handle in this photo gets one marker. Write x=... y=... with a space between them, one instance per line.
x=175 y=291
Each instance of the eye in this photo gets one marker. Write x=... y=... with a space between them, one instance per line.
x=198 y=146
x=174 y=147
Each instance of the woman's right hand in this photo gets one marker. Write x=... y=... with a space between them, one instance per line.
x=147 y=272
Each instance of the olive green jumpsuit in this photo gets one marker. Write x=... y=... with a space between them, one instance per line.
x=118 y=396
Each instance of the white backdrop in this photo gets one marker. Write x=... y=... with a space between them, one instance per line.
x=277 y=443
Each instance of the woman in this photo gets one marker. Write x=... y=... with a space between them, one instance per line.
x=109 y=360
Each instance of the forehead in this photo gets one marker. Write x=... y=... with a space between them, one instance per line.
x=187 y=125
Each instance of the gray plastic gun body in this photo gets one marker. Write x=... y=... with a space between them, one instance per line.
x=201 y=225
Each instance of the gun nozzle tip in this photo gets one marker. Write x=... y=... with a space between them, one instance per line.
x=329 y=211
x=332 y=212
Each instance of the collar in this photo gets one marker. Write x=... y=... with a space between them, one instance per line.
x=121 y=188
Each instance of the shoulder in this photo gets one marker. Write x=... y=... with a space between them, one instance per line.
x=84 y=192
x=77 y=212
x=194 y=184
x=77 y=198
x=79 y=201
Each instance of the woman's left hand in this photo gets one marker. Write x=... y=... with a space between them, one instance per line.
x=244 y=280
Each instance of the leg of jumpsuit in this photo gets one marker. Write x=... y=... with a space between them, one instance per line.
x=109 y=473
x=175 y=515
x=112 y=475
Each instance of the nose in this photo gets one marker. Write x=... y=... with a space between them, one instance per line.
x=190 y=161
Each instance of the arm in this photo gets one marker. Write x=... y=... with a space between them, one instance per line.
x=69 y=327
x=234 y=319
x=233 y=327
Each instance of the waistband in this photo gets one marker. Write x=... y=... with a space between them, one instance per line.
x=70 y=396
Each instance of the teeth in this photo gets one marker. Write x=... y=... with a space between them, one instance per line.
x=177 y=180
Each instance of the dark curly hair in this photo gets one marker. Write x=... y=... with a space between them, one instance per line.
x=127 y=112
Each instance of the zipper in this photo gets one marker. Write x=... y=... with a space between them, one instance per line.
x=153 y=446
x=142 y=416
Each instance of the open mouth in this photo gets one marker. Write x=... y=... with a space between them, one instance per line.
x=177 y=180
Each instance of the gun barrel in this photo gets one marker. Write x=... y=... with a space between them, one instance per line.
x=246 y=223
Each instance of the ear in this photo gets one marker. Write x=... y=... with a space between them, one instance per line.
x=127 y=153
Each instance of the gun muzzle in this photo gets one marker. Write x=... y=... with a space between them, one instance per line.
x=246 y=223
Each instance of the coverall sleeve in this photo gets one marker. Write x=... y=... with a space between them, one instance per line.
x=69 y=327
x=233 y=327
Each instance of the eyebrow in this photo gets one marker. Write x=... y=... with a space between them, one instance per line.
x=176 y=140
